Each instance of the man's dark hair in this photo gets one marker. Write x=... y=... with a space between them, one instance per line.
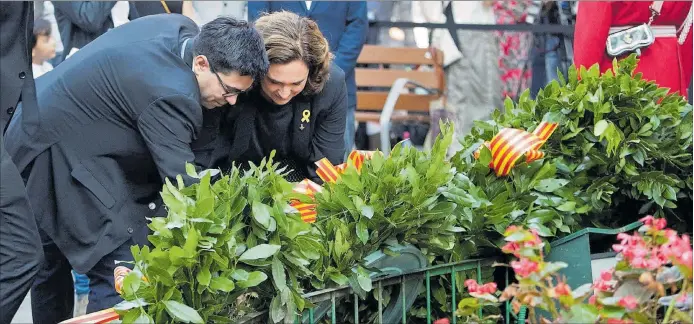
x=41 y=28
x=232 y=45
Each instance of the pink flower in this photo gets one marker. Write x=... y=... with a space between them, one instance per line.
x=562 y=289
x=488 y=288
x=475 y=289
x=602 y=285
x=606 y=275
x=657 y=223
x=511 y=248
x=471 y=285
x=442 y=321
x=592 y=300
x=648 y=220
x=628 y=302
x=524 y=267
x=618 y=321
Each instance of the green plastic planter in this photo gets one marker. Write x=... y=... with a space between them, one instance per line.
x=587 y=252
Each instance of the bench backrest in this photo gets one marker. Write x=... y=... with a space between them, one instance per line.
x=387 y=64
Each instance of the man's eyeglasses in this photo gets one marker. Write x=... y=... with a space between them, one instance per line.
x=228 y=91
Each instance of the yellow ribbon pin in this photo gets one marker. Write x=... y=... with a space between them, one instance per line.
x=306 y=115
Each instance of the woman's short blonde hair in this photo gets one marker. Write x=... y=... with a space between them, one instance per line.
x=289 y=37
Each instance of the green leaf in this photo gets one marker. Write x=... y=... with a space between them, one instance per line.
x=582 y=313
x=204 y=276
x=261 y=214
x=485 y=155
x=223 y=284
x=191 y=245
x=261 y=251
x=364 y=281
x=541 y=229
x=367 y=211
x=600 y=127
x=144 y=318
x=277 y=312
x=182 y=312
x=278 y=275
x=254 y=278
x=550 y=185
x=190 y=170
x=362 y=232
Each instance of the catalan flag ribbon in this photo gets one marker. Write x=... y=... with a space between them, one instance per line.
x=101 y=317
x=510 y=144
x=328 y=173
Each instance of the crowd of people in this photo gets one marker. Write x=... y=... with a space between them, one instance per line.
x=127 y=92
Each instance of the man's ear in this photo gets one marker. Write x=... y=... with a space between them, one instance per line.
x=200 y=63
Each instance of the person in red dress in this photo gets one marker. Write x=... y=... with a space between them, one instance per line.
x=668 y=61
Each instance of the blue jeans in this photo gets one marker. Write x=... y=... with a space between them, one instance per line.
x=81 y=283
x=349 y=130
x=551 y=58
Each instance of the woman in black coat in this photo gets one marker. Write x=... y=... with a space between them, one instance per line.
x=298 y=109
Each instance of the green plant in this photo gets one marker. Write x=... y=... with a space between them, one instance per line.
x=394 y=200
x=622 y=140
x=213 y=253
x=652 y=263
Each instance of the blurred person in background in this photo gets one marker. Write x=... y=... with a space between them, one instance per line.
x=20 y=245
x=206 y=11
x=136 y=94
x=42 y=47
x=472 y=71
x=514 y=47
x=45 y=10
x=668 y=61
x=298 y=109
x=345 y=25
x=148 y=8
x=81 y=22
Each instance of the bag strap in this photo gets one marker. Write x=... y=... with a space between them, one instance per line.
x=655 y=7
x=166 y=8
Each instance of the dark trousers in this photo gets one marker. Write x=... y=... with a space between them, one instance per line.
x=53 y=293
x=20 y=246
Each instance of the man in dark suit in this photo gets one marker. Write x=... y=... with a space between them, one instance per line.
x=345 y=25
x=20 y=246
x=116 y=119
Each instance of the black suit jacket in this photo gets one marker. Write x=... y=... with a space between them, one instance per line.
x=115 y=121
x=226 y=132
x=16 y=78
x=20 y=243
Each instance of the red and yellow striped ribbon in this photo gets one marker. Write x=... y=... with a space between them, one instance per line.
x=328 y=173
x=100 y=317
x=510 y=144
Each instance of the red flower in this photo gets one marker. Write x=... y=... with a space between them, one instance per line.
x=524 y=267
x=442 y=321
x=471 y=285
x=618 y=321
x=628 y=302
x=657 y=223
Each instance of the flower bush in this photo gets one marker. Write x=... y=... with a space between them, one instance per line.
x=651 y=282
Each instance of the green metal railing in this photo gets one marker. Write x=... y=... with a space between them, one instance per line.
x=413 y=277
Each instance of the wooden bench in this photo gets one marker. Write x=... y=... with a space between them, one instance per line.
x=397 y=78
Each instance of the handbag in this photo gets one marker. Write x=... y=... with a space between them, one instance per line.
x=635 y=38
